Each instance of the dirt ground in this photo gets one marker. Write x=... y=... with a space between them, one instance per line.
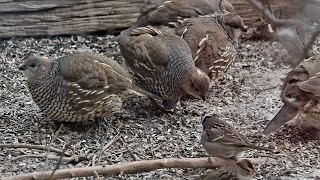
x=248 y=97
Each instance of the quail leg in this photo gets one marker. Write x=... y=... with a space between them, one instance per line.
x=97 y=123
x=169 y=105
x=158 y=106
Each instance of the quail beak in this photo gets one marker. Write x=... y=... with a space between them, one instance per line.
x=22 y=68
x=285 y=114
x=254 y=172
x=203 y=98
x=244 y=28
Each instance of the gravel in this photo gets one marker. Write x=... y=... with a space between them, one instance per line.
x=247 y=97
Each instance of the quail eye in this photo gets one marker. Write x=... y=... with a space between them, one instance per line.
x=33 y=65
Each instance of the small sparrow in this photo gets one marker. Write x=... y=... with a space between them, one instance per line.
x=300 y=96
x=220 y=139
x=242 y=170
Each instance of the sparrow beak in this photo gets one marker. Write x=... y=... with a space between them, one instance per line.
x=285 y=114
x=22 y=67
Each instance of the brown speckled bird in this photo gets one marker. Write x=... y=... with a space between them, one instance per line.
x=242 y=170
x=300 y=96
x=77 y=87
x=162 y=65
x=213 y=50
x=161 y=13
x=220 y=139
x=175 y=10
x=233 y=24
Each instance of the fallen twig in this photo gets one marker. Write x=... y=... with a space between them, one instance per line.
x=55 y=136
x=267 y=89
x=133 y=167
x=39 y=147
x=107 y=146
x=60 y=159
x=313 y=37
x=71 y=159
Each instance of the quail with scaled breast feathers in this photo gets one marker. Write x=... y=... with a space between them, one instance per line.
x=300 y=97
x=176 y=10
x=78 y=87
x=213 y=50
x=162 y=66
x=220 y=139
x=242 y=170
x=171 y=13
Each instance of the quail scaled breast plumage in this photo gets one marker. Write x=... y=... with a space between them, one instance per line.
x=220 y=139
x=77 y=87
x=300 y=97
x=162 y=65
x=213 y=50
x=241 y=170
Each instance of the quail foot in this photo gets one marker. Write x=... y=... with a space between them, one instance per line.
x=242 y=170
x=300 y=97
x=78 y=87
x=220 y=139
x=162 y=66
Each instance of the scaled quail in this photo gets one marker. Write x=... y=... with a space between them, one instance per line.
x=162 y=65
x=300 y=97
x=213 y=50
x=161 y=13
x=78 y=87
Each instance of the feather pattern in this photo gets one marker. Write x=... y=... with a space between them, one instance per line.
x=212 y=48
x=79 y=87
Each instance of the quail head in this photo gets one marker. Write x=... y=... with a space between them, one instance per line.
x=162 y=66
x=242 y=170
x=233 y=24
x=213 y=50
x=77 y=87
x=220 y=139
x=300 y=96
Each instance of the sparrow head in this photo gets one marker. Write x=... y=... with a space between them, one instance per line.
x=244 y=169
x=295 y=97
x=209 y=119
x=35 y=68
